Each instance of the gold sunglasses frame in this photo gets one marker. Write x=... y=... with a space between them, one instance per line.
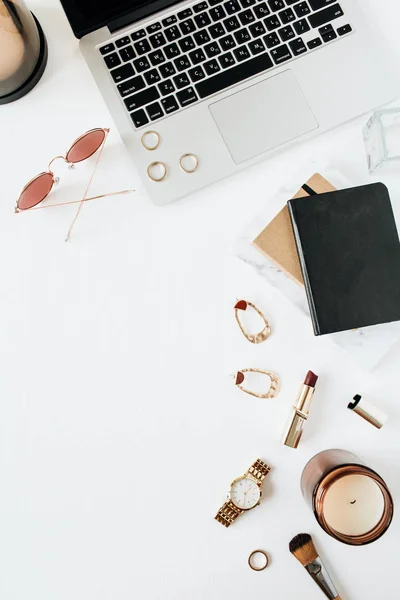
x=71 y=165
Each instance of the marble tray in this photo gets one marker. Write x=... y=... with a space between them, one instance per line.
x=366 y=345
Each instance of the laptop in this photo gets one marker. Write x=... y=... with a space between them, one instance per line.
x=228 y=82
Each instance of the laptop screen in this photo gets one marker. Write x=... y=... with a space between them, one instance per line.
x=88 y=15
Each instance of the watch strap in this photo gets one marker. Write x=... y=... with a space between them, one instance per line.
x=228 y=513
x=259 y=470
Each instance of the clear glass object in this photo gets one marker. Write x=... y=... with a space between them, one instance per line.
x=382 y=138
x=23 y=50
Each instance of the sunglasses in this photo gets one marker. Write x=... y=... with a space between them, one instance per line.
x=38 y=188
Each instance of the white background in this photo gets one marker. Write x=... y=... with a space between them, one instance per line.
x=120 y=427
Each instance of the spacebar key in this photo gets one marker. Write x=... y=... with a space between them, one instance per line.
x=239 y=73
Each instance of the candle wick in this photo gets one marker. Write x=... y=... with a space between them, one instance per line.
x=354 y=501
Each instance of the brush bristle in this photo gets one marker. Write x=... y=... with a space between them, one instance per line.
x=298 y=541
x=302 y=547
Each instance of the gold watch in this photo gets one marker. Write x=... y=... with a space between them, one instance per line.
x=244 y=494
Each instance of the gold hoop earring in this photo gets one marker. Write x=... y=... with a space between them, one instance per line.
x=262 y=335
x=273 y=389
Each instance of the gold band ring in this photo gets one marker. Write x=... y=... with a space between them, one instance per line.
x=264 y=566
x=195 y=163
x=148 y=134
x=163 y=175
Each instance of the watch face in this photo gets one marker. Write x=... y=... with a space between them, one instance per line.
x=245 y=493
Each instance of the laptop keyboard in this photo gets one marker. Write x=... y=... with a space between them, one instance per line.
x=211 y=46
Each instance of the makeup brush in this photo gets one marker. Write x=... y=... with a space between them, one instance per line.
x=302 y=547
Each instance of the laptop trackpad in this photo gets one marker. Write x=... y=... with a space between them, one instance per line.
x=263 y=116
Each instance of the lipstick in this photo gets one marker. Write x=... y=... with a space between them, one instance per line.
x=301 y=410
x=368 y=411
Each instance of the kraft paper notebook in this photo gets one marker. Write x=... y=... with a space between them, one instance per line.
x=277 y=241
x=349 y=252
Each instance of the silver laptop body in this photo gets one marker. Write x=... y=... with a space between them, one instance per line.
x=232 y=82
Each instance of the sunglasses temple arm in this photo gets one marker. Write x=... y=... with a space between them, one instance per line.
x=84 y=200
x=87 y=188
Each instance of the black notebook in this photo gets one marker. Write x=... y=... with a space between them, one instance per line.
x=349 y=253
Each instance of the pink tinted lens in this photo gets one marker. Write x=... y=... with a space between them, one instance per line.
x=86 y=146
x=36 y=191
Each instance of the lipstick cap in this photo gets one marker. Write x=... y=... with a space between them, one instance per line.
x=368 y=411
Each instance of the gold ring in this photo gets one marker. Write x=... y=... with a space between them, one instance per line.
x=263 y=566
x=189 y=155
x=156 y=164
x=147 y=133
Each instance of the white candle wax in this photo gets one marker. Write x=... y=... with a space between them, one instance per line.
x=353 y=505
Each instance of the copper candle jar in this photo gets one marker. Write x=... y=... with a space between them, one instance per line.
x=350 y=501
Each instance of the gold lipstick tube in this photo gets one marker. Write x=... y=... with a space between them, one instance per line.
x=300 y=413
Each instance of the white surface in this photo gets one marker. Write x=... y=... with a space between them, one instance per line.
x=120 y=428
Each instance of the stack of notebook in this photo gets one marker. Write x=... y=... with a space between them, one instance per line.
x=277 y=241
x=345 y=247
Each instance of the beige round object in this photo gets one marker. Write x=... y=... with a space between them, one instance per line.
x=157 y=171
x=354 y=505
x=151 y=140
x=12 y=47
x=189 y=162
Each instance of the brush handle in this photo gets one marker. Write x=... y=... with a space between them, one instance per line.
x=321 y=577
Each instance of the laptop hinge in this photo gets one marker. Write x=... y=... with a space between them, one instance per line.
x=139 y=13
